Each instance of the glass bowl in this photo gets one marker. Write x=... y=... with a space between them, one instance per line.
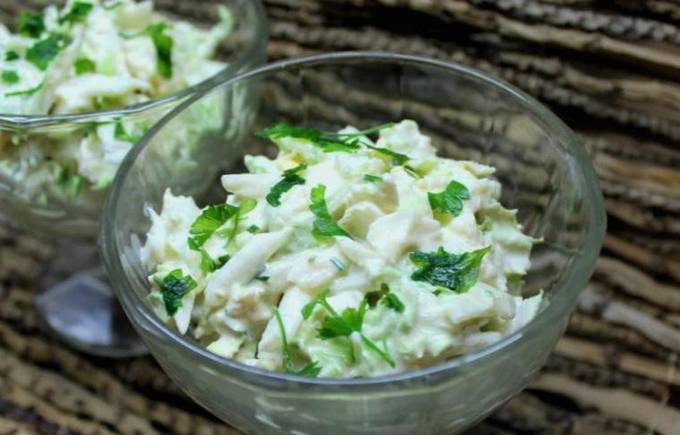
x=57 y=207
x=546 y=174
x=80 y=309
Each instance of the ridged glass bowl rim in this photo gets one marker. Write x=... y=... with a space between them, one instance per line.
x=255 y=48
x=558 y=308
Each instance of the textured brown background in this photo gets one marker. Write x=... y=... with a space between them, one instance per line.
x=610 y=68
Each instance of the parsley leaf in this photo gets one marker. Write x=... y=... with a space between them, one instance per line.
x=373 y=297
x=83 y=65
x=327 y=141
x=412 y=172
x=290 y=179
x=391 y=300
x=457 y=272
x=212 y=217
x=120 y=133
x=261 y=277
x=31 y=24
x=351 y=320
x=11 y=55
x=68 y=182
x=243 y=208
x=372 y=178
x=10 y=76
x=253 y=229
x=112 y=6
x=450 y=200
x=339 y=264
x=173 y=287
x=208 y=264
x=45 y=50
x=398 y=159
x=29 y=91
x=77 y=13
x=318 y=299
x=312 y=369
x=163 y=44
x=323 y=224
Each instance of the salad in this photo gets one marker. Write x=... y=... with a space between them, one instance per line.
x=87 y=56
x=344 y=256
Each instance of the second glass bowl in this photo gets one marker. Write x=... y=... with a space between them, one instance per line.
x=80 y=309
x=545 y=172
x=70 y=210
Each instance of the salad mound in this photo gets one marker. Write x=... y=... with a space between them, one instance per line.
x=343 y=256
x=87 y=56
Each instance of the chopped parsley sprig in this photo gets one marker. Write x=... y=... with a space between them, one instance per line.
x=312 y=369
x=456 y=272
x=391 y=300
x=291 y=177
x=83 y=65
x=173 y=287
x=10 y=76
x=31 y=24
x=326 y=140
x=208 y=222
x=343 y=325
x=397 y=159
x=163 y=44
x=210 y=219
x=27 y=92
x=43 y=52
x=77 y=13
x=324 y=225
x=450 y=200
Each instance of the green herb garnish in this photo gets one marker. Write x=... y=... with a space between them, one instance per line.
x=112 y=6
x=343 y=325
x=338 y=264
x=391 y=300
x=412 y=172
x=120 y=133
x=327 y=141
x=450 y=200
x=29 y=91
x=31 y=24
x=10 y=76
x=45 y=50
x=163 y=44
x=173 y=287
x=397 y=159
x=290 y=178
x=324 y=226
x=372 y=178
x=253 y=229
x=11 y=55
x=68 y=182
x=243 y=208
x=208 y=264
x=83 y=65
x=210 y=219
x=312 y=369
x=456 y=272
x=373 y=297
x=77 y=13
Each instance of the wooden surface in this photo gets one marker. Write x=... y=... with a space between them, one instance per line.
x=610 y=68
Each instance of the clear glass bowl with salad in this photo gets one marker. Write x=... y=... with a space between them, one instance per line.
x=165 y=243
x=81 y=81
